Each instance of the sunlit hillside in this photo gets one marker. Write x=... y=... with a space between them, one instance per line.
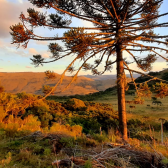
x=30 y=82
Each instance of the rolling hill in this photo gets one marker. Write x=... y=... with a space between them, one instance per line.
x=32 y=82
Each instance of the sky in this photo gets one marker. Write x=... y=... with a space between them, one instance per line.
x=18 y=60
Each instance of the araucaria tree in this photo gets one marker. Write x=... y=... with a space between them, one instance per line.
x=119 y=25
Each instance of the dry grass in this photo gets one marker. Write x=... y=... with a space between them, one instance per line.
x=153 y=111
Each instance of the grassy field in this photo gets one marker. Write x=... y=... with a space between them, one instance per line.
x=146 y=112
x=147 y=109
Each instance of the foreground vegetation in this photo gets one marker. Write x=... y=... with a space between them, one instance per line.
x=33 y=131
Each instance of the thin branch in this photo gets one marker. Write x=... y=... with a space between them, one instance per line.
x=154 y=78
x=136 y=10
x=132 y=78
x=100 y=59
x=61 y=78
x=108 y=60
x=93 y=21
x=74 y=77
x=141 y=21
x=108 y=10
x=56 y=58
x=114 y=10
x=160 y=55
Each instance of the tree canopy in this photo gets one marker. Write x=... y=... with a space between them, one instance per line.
x=119 y=25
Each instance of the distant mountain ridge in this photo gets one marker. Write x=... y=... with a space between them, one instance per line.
x=105 y=77
x=32 y=82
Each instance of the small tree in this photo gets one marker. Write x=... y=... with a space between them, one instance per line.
x=121 y=25
x=47 y=89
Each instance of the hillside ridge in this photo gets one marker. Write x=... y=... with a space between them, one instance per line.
x=32 y=82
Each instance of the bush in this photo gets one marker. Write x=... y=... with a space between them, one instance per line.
x=75 y=104
x=86 y=142
x=68 y=141
x=88 y=164
x=14 y=125
x=135 y=123
x=89 y=125
x=47 y=152
x=42 y=112
x=100 y=138
x=74 y=131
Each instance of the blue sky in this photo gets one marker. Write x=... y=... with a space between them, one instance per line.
x=18 y=60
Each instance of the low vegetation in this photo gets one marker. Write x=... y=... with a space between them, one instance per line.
x=39 y=133
x=61 y=130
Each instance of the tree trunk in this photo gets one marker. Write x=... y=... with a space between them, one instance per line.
x=121 y=93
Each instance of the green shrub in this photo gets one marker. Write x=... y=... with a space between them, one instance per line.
x=89 y=125
x=75 y=104
x=68 y=141
x=164 y=161
x=42 y=112
x=38 y=149
x=86 y=142
x=135 y=123
x=88 y=164
x=15 y=143
x=100 y=138
x=47 y=151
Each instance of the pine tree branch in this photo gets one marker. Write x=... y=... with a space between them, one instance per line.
x=108 y=10
x=68 y=13
x=61 y=78
x=147 y=47
x=74 y=77
x=154 y=78
x=132 y=78
x=137 y=10
x=142 y=20
x=160 y=55
x=136 y=60
x=43 y=62
x=101 y=59
x=115 y=11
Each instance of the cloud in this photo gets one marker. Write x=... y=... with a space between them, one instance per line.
x=20 y=1
x=42 y=42
x=1 y=68
x=32 y=51
x=87 y=24
x=9 y=15
x=45 y=55
x=7 y=49
x=28 y=67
